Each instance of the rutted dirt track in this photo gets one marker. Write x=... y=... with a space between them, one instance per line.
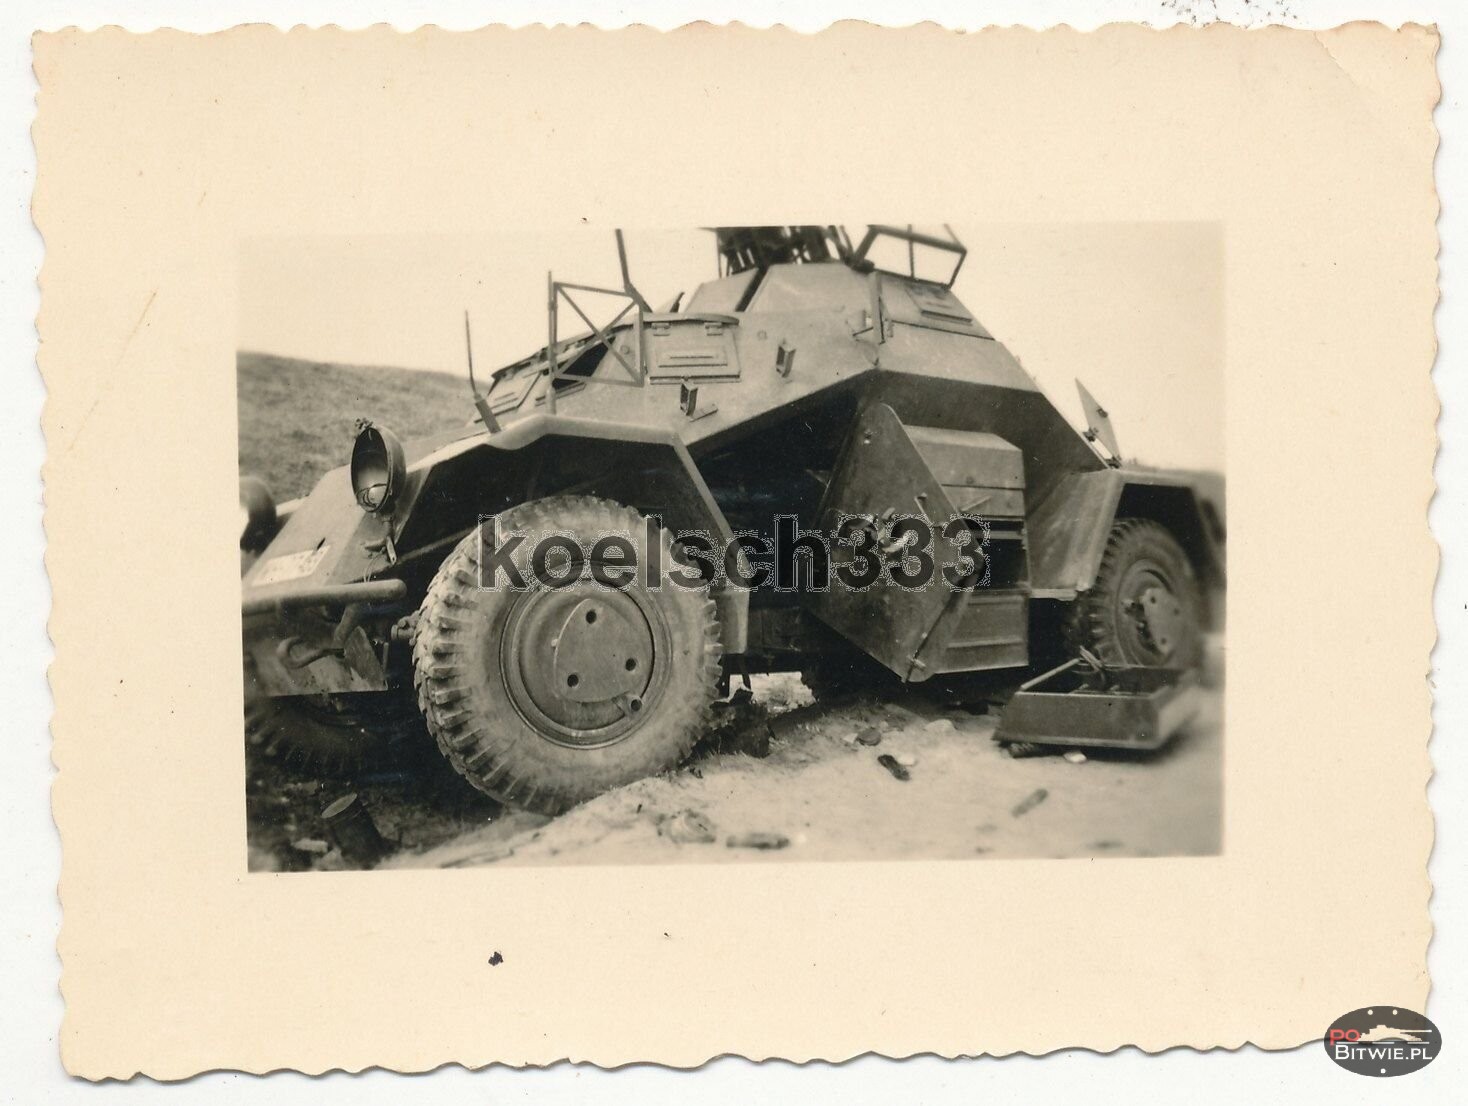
x=819 y=794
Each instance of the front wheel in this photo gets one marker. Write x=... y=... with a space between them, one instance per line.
x=331 y=735
x=547 y=695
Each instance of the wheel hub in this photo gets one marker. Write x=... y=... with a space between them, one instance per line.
x=1160 y=618
x=602 y=651
x=580 y=663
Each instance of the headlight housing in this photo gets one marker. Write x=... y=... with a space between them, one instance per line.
x=257 y=514
x=379 y=469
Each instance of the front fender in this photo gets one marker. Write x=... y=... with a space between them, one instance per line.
x=329 y=541
x=640 y=466
x=647 y=468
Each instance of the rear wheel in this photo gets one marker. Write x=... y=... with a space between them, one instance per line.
x=1145 y=607
x=547 y=696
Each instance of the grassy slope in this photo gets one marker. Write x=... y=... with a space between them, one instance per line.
x=297 y=418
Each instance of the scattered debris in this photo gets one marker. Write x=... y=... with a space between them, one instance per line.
x=789 y=726
x=350 y=828
x=1075 y=756
x=941 y=726
x=1030 y=801
x=963 y=801
x=1021 y=749
x=496 y=960
x=890 y=763
x=742 y=697
x=869 y=736
x=902 y=717
x=742 y=725
x=687 y=827
x=758 y=840
x=755 y=741
x=747 y=736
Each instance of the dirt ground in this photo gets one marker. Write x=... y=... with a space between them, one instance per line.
x=819 y=794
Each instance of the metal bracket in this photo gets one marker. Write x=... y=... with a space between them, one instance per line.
x=294 y=653
x=1098 y=426
x=384 y=545
x=688 y=402
x=784 y=359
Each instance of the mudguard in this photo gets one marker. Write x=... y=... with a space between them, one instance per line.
x=328 y=544
x=1069 y=528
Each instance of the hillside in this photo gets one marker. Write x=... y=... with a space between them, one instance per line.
x=298 y=418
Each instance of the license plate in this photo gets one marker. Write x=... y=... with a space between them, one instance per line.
x=291 y=566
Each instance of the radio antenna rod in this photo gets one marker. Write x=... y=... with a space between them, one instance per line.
x=481 y=404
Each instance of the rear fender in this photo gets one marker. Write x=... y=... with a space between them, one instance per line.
x=1068 y=531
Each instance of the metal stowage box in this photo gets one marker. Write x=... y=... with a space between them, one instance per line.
x=1113 y=707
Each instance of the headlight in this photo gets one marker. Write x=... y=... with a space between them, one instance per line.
x=257 y=514
x=378 y=467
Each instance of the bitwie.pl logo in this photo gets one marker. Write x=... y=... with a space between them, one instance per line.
x=1382 y=1040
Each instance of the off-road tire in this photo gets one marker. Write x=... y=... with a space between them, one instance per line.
x=1100 y=621
x=347 y=736
x=465 y=695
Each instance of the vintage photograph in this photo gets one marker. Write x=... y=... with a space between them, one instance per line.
x=732 y=543
x=938 y=631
